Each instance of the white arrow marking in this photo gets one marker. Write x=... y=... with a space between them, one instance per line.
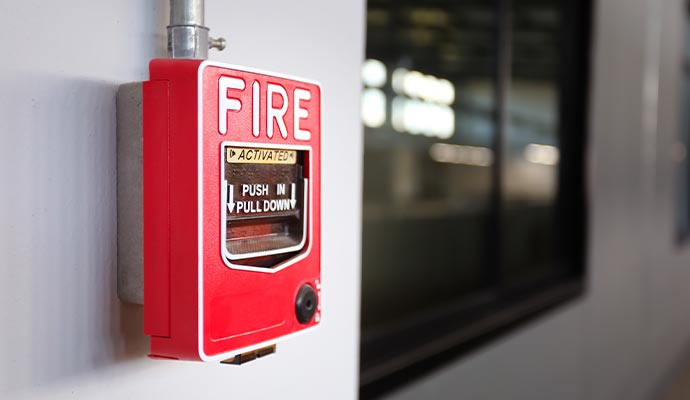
x=293 y=202
x=231 y=203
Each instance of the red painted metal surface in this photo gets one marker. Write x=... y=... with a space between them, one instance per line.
x=197 y=305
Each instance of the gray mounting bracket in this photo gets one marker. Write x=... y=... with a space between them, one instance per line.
x=130 y=194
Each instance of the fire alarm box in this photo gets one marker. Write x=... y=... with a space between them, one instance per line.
x=231 y=208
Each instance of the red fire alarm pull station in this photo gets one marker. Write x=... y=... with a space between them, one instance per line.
x=231 y=209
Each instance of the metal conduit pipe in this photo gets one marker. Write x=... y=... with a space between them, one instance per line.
x=188 y=37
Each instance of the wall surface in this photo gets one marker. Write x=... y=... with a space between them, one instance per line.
x=627 y=337
x=64 y=334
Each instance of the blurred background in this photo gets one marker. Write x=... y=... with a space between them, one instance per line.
x=523 y=159
x=473 y=187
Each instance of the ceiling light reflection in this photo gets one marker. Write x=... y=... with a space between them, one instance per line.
x=373 y=108
x=460 y=154
x=418 y=117
x=425 y=87
x=374 y=73
x=542 y=154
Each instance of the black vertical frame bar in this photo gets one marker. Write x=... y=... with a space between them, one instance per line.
x=571 y=201
x=495 y=240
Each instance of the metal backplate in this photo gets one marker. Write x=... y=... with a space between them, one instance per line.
x=130 y=233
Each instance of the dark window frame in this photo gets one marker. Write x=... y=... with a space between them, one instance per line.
x=394 y=359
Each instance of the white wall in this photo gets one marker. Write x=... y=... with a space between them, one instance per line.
x=63 y=332
x=626 y=338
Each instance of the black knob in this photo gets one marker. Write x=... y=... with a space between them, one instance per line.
x=305 y=304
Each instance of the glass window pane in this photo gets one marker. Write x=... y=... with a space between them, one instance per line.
x=532 y=145
x=474 y=201
x=428 y=109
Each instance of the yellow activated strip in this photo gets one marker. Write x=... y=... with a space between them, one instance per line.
x=245 y=155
